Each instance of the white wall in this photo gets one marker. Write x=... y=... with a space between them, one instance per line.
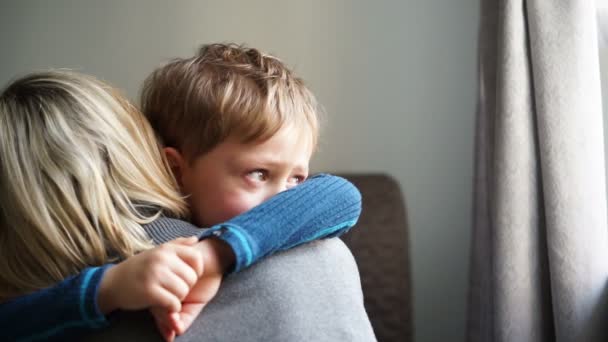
x=603 y=47
x=397 y=79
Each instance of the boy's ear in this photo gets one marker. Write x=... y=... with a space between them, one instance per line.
x=177 y=163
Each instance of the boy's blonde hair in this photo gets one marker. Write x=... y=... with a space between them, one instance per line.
x=80 y=170
x=225 y=90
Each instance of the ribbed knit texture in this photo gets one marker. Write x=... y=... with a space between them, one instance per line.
x=166 y=229
x=47 y=315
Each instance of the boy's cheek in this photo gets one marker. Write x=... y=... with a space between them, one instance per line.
x=225 y=207
x=239 y=204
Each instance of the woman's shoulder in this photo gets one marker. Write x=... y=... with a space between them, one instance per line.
x=323 y=263
x=309 y=293
x=165 y=229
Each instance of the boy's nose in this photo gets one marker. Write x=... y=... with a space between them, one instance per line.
x=276 y=188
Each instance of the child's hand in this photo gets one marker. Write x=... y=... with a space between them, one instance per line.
x=162 y=276
x=171 y=324
x=217 y=257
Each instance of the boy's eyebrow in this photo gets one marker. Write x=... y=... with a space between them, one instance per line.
x=271 y=161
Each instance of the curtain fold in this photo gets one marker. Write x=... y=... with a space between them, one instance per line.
x=539 y=261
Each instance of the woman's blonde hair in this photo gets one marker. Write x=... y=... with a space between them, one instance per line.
x=80 y=171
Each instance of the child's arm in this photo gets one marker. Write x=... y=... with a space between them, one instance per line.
x=70 y=308
x=323 y=206
x=48 y=313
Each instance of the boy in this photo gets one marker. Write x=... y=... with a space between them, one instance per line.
x=237 y=128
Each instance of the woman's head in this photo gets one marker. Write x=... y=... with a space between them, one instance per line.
x=78 y=164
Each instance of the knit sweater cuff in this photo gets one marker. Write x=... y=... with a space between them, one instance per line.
x=89 y=290
x=238 y=240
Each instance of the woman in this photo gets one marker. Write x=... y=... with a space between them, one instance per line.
x=81 y=173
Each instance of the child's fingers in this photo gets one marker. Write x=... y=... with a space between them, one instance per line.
x=170 y=336
x=165 y=330
x=163 y=323
x=183 y=248
x=176 y=323
x=166 y=299
x=186 y=241
x=192 y=257
x=172 y=282
x=184 y=271
x=188 y=314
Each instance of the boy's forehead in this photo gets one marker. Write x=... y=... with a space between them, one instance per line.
x=301 y=133
x=288 y=145
x=298 y=156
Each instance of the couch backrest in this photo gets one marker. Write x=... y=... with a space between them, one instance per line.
x=380 y=245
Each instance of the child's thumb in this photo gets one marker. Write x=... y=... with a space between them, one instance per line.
x=186 y=241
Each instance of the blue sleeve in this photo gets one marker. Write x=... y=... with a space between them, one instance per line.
x=58 y=313
x=323 y=206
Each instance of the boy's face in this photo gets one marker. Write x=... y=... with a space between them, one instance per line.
x=234 y=177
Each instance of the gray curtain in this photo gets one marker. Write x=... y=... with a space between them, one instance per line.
x=539 y=261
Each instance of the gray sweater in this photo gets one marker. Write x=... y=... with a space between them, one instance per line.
x=309 y=293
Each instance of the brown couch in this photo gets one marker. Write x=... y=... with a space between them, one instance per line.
x=380 y=246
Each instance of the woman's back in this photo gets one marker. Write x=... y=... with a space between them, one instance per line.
x=309 y=293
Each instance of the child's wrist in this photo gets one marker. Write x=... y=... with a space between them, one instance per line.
x=218 y=256
x=106 y=296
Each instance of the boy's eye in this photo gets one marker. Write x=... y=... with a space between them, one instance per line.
x=295 y=180
x=258 y=175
